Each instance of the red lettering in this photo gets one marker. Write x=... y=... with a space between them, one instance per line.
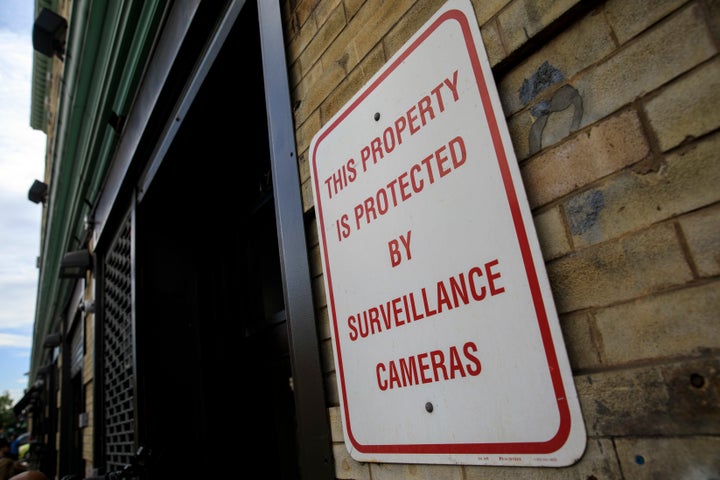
x=492 y=276
x=438 y=365
x=427 y=367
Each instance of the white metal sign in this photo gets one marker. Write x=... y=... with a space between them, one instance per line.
x=446 y=339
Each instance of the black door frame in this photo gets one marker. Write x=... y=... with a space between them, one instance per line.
x=313 y=431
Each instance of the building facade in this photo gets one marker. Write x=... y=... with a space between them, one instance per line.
x=182 y=324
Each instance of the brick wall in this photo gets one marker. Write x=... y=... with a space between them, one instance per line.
x=624 y=186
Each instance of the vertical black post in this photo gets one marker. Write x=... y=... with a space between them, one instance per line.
x=314 y=442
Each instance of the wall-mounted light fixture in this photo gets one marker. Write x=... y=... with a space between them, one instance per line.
x=75 y=264
x=87 y=306
x=52 y=340
x=49 y=32
x=38 y=192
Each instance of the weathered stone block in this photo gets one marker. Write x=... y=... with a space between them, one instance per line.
x=390 y=471
x=621 y=270
x=522 y=20
x=597 y=463
x=628 y=18
x=669 y=399
x=346 y=468
x=682 y=182
x=552 y=233
x=661 y=54
x=585 y=43
x=580 y=340
x=669 y=458
x=679 y=323
x=326 y=33
x=702 y=233
x=603 y=149
x=687 y=108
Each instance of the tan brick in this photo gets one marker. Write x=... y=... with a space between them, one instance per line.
x=318 y=292
x=331 y=389
x=486 y=9
x=552 y=234
x=580 y=340
x=523 y=19
x=294 y=76
x=325 y=35
x=313 y=89
x=689 y=180
x=303 y=11
x=630 y=17
x=364 y=31
x=713 y=17
x=652 y=400
x=286 y=12
x=588 y=156
x=597 y=463
x=675 y=324
x=303 y=167
x=671 y=458
x=303 y=136
x=325 y=9
x=493 y=43
x=664 y=52
x=335 y=420
x=315 y=261
x=519 y=126
x=311 y=233
x=560 y=125
x=327 y=357
x=303 y=36
x=352 y=7
x=687 y=108
x=631 y=267
x=353 y=83
x=323 y=323
x=409 y=24
x=702 y=233
x=307 y=196
x=346 y=468
x=585 y=43
x=381 y=27
x=390 y=471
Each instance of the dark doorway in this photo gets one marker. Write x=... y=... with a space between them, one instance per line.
x=214 y=394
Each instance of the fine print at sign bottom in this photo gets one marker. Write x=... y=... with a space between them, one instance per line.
x=446 y=340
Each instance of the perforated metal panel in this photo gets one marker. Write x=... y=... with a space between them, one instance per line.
x=119 y=394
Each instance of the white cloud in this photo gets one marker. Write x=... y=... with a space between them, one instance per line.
x=11 y=340
x=22 y=160
x=22 y=148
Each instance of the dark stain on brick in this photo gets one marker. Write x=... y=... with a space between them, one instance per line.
x=601 y=408
x=545 y=76
x=565 y=97
x=540 y=109
x=650 y=164
x=343 y=61
x=584 y=210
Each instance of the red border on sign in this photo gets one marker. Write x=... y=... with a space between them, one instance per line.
x=563 y=431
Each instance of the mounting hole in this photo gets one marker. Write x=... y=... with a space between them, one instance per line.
x=697 y=380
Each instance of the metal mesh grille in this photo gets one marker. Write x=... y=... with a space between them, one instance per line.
x=119 y=414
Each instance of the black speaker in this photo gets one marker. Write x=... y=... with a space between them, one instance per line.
x=49 y=32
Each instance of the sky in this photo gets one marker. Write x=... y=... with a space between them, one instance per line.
x=22 y=152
